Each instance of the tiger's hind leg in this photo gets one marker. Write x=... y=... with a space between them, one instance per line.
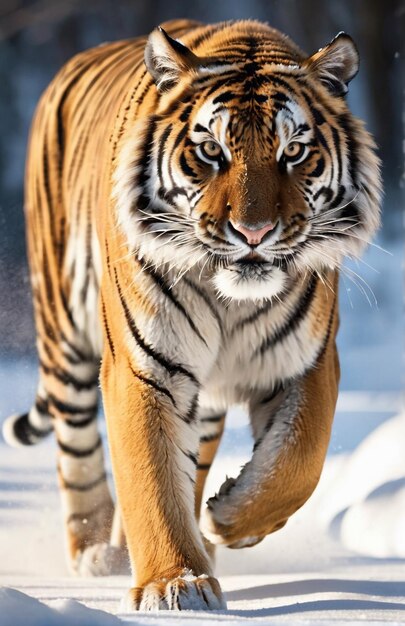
x=211 y=429
x=70 y=379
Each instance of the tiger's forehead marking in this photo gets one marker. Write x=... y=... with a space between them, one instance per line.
x=285 y=124
x=209 y=124
x=291 y=124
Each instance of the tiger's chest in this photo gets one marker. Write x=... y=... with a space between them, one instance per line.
x=261 y=347
x=232 y=348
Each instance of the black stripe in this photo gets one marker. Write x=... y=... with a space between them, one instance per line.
x=81 y=423
x=79 y=454
x=107 y=329
x=86 y=486
x=225 y=96
x=352 y=152
x=319 y=118
x=203 y=466
x=253 y=317
x=351 y=213
x=162 y=142
x=321 y=139
x=208 y=438
x=326 y=191
x=169 y=294
x=269 y=424
x=321 y=352
x=271 y=420
x=273 y=393
x=336 y=141
x=41 y=405
x=338 y=198
x=176 y=143
x=185 y=167
x=192 y=412
x=68 y=379
x=78 y=353
x=72 y=409
x=185 y=114
x=59 y=117
x=212 y=418
x=318 y=169
x=172 y=368
x=60 y=251
x=171 y=194
x=256 y=314
x=312 y=95
x=26 y=433
x=144 y=162
x=323 y=349
x=66 y=308
x=154 y=384
x=293 y=319
x=200 y=292
x=48 y=284
x=48 y=194
x=190 y=456
x=199 y=128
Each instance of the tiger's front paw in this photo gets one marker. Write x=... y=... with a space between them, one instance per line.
x=222 y=526
x=186 y=592
x=227 y=534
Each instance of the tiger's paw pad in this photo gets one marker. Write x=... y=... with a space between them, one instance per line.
x=102 y=559
x=185 y=593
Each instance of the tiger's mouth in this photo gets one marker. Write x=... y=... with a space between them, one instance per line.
x=252 y=268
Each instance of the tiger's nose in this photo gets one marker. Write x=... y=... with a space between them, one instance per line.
x=252 y=235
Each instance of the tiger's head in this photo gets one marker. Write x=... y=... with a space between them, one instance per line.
x=250 y=164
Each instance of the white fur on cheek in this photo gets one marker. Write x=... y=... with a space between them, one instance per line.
x=230 y=284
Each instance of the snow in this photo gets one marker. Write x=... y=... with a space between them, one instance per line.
x=369 y=506
x=19 y=608
x=339 y=560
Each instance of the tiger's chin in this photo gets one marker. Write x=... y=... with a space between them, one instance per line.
x=250 y=281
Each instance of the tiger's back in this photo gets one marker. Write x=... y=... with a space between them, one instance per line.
x=70 y=159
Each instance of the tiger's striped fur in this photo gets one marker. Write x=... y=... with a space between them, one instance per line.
x=139 y=252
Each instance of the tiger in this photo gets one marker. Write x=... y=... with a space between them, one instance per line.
x=190 y=198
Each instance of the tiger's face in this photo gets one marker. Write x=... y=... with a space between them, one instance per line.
x=255 y=171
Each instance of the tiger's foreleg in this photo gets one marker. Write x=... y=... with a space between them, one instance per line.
x=153 y=435
x=211 y=429
x=291 y=434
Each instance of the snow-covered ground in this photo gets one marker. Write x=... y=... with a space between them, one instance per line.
x=339 y=560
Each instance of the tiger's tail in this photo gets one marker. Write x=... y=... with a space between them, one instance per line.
x=30 y=428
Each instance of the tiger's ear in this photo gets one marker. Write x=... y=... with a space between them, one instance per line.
x=166 y=59
x=335 y=64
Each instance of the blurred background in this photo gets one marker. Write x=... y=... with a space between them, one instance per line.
x=38 y=36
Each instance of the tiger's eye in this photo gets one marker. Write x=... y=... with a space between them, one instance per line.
x=294 y=151
x=211 y=149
